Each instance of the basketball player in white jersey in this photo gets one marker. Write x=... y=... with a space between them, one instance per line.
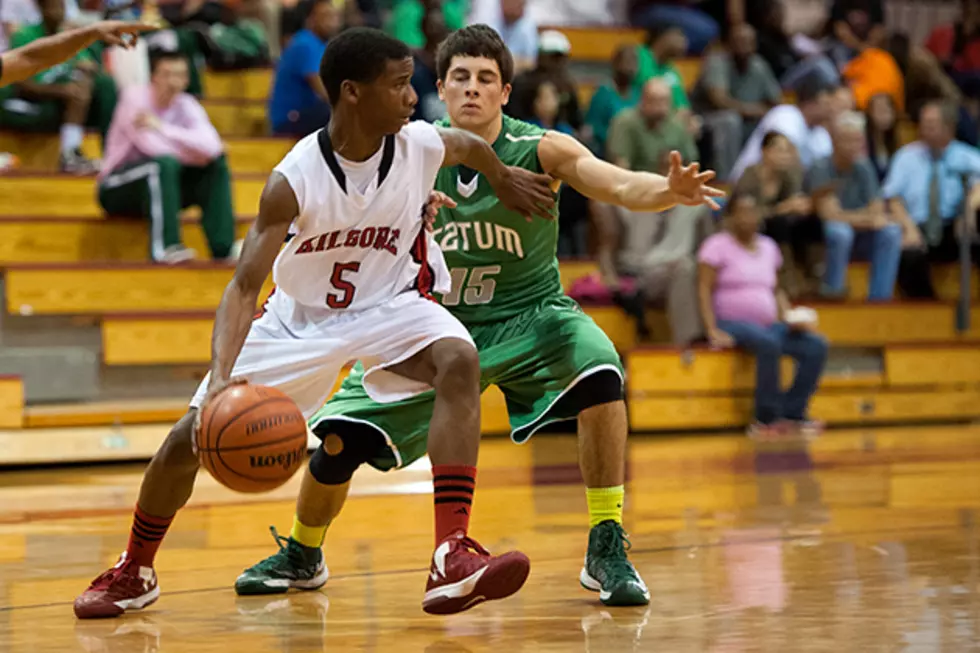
x=352 y=283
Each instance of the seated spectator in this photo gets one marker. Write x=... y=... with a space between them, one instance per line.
x=698 y=27
x=163 y=155
x=776 y=46
x=957 y=46
x=735 y=91
x=930 y=185
x=743 y=306
x=299 y=104
x=801 y=123
x=516 y=27
x=882 y=133
x=609 y=99
x=429 y=107
x=776 y=185
x=552 y=66
x=655 y=60
x=855 y=26
x=407 y=19
x=238 y=41
x=660 y=248
x=66 y=97
x=846 y=196
x=544 y=109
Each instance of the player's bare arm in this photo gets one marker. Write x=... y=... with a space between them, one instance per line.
x=277 y=209
x=568 y=160
x=23 y=63
x=520 y=190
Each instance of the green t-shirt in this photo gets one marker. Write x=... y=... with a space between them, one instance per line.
x=405 y=23
x=649 y=68
x=605 y=105
x=56 y=74
x=644 y=148
x=501 y=264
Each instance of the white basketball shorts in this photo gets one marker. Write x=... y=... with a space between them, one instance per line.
x=300 y=350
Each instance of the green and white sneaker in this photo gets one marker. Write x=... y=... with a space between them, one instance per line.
x=294 y=565
x=608 y=571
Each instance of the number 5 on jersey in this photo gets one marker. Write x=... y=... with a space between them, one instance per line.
x=346 y=288
x=477 y=289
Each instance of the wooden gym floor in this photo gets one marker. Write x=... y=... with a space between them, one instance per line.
x=868 y=540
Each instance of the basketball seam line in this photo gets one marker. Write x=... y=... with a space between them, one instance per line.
x=257 y=445
x=234 y=418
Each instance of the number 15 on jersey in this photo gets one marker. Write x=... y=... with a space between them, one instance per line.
x=472 y=285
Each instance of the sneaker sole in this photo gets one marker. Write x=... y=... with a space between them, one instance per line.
x=505 y=579
x=614 y=599
x=282 y=585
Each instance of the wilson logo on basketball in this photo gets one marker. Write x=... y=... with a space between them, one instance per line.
x=286 y=460
x=271 y=421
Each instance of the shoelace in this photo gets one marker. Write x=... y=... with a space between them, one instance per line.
x=474 y=546
x=612 y=543
x=115 y=576
x=287 y=547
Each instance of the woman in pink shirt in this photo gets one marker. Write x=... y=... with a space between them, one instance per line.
x=742 y=306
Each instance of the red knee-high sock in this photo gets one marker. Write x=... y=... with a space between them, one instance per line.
x=453 y=485
x=146 y=536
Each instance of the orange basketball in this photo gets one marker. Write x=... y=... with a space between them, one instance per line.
x=252 y=438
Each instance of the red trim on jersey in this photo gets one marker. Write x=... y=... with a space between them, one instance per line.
x=262 y=309
x=426 y=276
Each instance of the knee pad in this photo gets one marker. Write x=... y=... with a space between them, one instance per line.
x=602 y=387
x=342 y=451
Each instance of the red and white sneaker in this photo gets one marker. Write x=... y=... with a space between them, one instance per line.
x=126 y=586
x=464 y=574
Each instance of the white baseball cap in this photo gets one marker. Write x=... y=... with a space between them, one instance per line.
x=552 y=41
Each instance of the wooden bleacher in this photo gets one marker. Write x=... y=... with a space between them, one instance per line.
x=61 y=256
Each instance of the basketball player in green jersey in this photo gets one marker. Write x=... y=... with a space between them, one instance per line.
x=548 y=357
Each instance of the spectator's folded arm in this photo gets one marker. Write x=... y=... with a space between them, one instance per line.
x=198 y=139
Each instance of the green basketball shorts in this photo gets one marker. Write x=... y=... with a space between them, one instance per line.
x=536 y=359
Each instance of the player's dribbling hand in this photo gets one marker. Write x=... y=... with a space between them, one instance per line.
x=119 y=32
x=527 y=193
x=689 y=185
x=437 y=200
x=214 y=389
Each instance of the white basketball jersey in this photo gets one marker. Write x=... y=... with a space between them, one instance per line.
x=352 y=250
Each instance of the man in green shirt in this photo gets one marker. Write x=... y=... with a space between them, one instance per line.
x=549 y=358
x=67 y=96
x=405 y=23
x=641 y=138
x=655 y=59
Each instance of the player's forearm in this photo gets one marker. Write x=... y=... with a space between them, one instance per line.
x=474 y=152
x=23 y=63
x=231 y=325
x=645 y=191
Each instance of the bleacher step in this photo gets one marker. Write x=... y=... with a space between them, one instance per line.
x=53 y=373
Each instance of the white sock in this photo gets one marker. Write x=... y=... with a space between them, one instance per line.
x=71 y=138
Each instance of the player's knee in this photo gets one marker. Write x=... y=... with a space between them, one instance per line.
x=457 y=366
x=333 y=462
x=177 y=450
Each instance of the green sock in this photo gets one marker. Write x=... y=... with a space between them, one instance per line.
x=605 y=503
x=309 y=536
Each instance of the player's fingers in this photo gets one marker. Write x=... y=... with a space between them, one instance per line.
x=706 y=176
x=711 y=191
x=713 y=204
x=675 y=159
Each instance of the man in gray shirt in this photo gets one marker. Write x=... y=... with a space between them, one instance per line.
x=847 y=198
x=735 y=90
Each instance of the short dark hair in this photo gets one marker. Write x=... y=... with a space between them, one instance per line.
x=475 y=41
x=157 y=57
x=770 y=139
x=359 y=54
x=313 y=4
x=812 y=87
x=657 y=31
x=949 y=111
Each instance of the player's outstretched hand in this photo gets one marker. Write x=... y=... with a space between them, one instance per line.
x=116 y=32
x=436 y=201
x=689 y=185
x=527 y=193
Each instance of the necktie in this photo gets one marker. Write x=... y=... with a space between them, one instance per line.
x=934 y=221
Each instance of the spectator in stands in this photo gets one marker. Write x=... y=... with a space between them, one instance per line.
x=299 y=104
x=699 y=28
x=931 y=184
x=238 y=41
x=659 y=249
x=163 y=155
x=882 y=133
x=847 y=197
x=776 y=185
x=66 y=97
x=855 y=26
x=735 y=91
x=429 y=107
x=544 y=109
x=802 y=123
x=609 y=99
x=957 y=46
x=775 y=45
x=552 y=66
x=743 y=306
x=515 y=26
x=407 y=19
x=664 y=44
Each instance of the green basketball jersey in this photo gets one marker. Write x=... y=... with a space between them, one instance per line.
x=501 y=264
